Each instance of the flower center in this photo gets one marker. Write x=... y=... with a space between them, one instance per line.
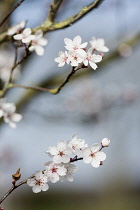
x=61 y=153
x=54 y=170
x=92 y=154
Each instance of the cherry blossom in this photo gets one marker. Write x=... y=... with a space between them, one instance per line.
x=38 y=42
x=16 y=28
x=62 y=59
x=99 y=44
x=39 y=182
x=76 y=58
x=71 y=169
x=93 y=155
x=61 y=167
x=92 y=59
x=54 y=171
x=9 y=114
x=75 y=44
x=77 y=145
x=25 y=36
x=60 y=153
x=105 y=142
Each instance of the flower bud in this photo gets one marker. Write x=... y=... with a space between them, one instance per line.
x=105 y=142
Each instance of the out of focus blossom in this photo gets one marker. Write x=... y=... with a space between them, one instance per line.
x=7 y=111
x=5 y=67
x=16 y=28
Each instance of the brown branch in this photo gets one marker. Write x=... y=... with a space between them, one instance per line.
x=72 y=19
x=53 y=9
x=8 y=15
x=52 y=91
x=15 y=186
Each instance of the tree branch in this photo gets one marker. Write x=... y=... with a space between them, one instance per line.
x=8 y=15
x=53 y=9
x=47 y=25
x=74 y=18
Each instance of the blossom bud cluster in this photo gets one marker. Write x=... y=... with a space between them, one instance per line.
x=77 y=55
x=61 y=167
x=35 y=42
x=7 y=111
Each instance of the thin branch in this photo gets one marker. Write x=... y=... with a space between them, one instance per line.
x=53 y=9
x=15 y=62
x=30 y=87
x=15 y=186
x=14 y=8
x=70 y=20
x=52 y=91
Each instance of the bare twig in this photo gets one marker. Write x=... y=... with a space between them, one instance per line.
x=53 y=9
x=70 y=20
x=8 y=15
x=52 y=91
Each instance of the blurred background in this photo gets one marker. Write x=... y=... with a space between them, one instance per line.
x=94 y=105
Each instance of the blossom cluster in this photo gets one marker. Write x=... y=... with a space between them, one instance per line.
x=35 y=41
x=61 y=167
x=78 y=56
x=7 y=111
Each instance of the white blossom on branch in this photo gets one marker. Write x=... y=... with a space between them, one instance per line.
x=77 y=54
x=38 y=42
x=7 y=111
x=16 y=28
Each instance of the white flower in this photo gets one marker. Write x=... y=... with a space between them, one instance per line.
x=99 y=44
x=60 y=153
x=92 y=59
x=25 y=36
x=71 y=169
x=39 y=182
x=62 y=59
x=9 y=114
x=16 y=28
x=77 y=145
x=93 y=155
x=54 y=171
x=105 y=142
x=38 y=42
x=76 y=57
x=75 y=44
